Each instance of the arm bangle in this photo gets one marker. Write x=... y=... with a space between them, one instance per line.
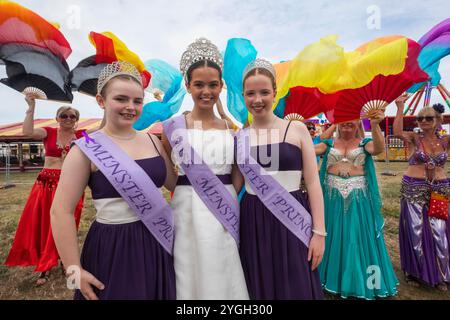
x=323 y=234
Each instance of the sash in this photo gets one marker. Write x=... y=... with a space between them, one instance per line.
x=279 y=201
x=133 y=184
x=205 y=183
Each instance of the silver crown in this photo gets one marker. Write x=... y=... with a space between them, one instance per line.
x=201 y=49
x=115 y=69
x=262 y=64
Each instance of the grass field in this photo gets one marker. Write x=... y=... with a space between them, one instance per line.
x=19 y=283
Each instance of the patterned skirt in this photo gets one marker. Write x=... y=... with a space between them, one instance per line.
x=424 y=240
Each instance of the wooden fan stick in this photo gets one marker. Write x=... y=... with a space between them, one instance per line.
x=417 y=102
x=446 y=99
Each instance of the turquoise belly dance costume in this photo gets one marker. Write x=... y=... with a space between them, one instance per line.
x=356 y=262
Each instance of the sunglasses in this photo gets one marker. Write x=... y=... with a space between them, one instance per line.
x=65 y=116
x=311 y=128
x=427 y=118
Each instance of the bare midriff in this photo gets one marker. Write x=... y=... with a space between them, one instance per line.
x=53 y=163
x=341 y=168
x=418 y=171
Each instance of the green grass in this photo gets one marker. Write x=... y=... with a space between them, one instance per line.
x=18 y=283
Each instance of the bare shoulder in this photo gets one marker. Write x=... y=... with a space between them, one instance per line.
x=297 y=124
x=76 y=157
x=298 y=127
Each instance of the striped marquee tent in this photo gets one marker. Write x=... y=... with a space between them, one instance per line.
x=12 y=133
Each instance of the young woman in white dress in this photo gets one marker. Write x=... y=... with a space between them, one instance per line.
x=206 y=256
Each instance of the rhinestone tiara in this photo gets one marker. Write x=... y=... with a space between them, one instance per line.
x=115 y=69
x=262 y=64
x=201 y=49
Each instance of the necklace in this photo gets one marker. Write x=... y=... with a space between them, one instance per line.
x=119 y=137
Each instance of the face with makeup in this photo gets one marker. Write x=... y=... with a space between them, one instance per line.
x=204 y=83
x=259 y=94
x=67 y=117
x=122 y=98
x=427 y=119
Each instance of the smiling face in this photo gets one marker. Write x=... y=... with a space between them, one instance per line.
x=259 y=95
x=123 y=100
x=427 y=119
x=205 y=86
x=67 y=117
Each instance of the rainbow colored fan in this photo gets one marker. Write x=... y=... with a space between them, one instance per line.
x=110 y=48
x=393 y=63
x=349 y=85
x=34 y=52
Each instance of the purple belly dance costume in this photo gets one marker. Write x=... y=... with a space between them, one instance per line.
x=424 y=240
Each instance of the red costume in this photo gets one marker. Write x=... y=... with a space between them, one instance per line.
x=33 y=243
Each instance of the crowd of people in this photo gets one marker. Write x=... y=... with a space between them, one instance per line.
x=296 y=232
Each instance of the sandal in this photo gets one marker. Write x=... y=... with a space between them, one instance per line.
x=43 y=278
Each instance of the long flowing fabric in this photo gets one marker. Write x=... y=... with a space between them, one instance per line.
x=435 y=46
x=379 y=70
x=169 y=81
x=34 y=52
x=238 y=54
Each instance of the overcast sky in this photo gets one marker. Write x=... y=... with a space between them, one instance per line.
x=162 y=29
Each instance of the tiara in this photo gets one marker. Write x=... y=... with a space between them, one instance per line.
x=115 y=69
x=201 y=49
x=259 y=63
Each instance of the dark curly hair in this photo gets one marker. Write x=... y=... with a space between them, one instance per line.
x=439 y=108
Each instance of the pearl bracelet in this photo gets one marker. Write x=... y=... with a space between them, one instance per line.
x=319 y=233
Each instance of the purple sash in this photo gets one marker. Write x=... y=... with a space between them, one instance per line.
x=279 y=201
x=205 y=183
x=133 y=184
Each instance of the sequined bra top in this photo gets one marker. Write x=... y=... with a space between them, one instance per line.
x=357 y=157
x=50 y=143
x=421 y=157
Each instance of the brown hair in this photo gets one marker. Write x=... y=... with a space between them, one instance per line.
x=263 y=72
x=199 y=64
x=121 y=77
x=63 y=109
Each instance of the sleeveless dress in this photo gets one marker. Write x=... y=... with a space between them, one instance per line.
x=424 y=240
x=206 y=256
x=356 y=262
x=275 y=261
x=120 y=251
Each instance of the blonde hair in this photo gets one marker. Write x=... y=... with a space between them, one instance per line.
x=426 y=110
x=65 y=109
x=359 y=132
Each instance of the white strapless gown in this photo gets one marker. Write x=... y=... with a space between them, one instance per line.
x=206 y=257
